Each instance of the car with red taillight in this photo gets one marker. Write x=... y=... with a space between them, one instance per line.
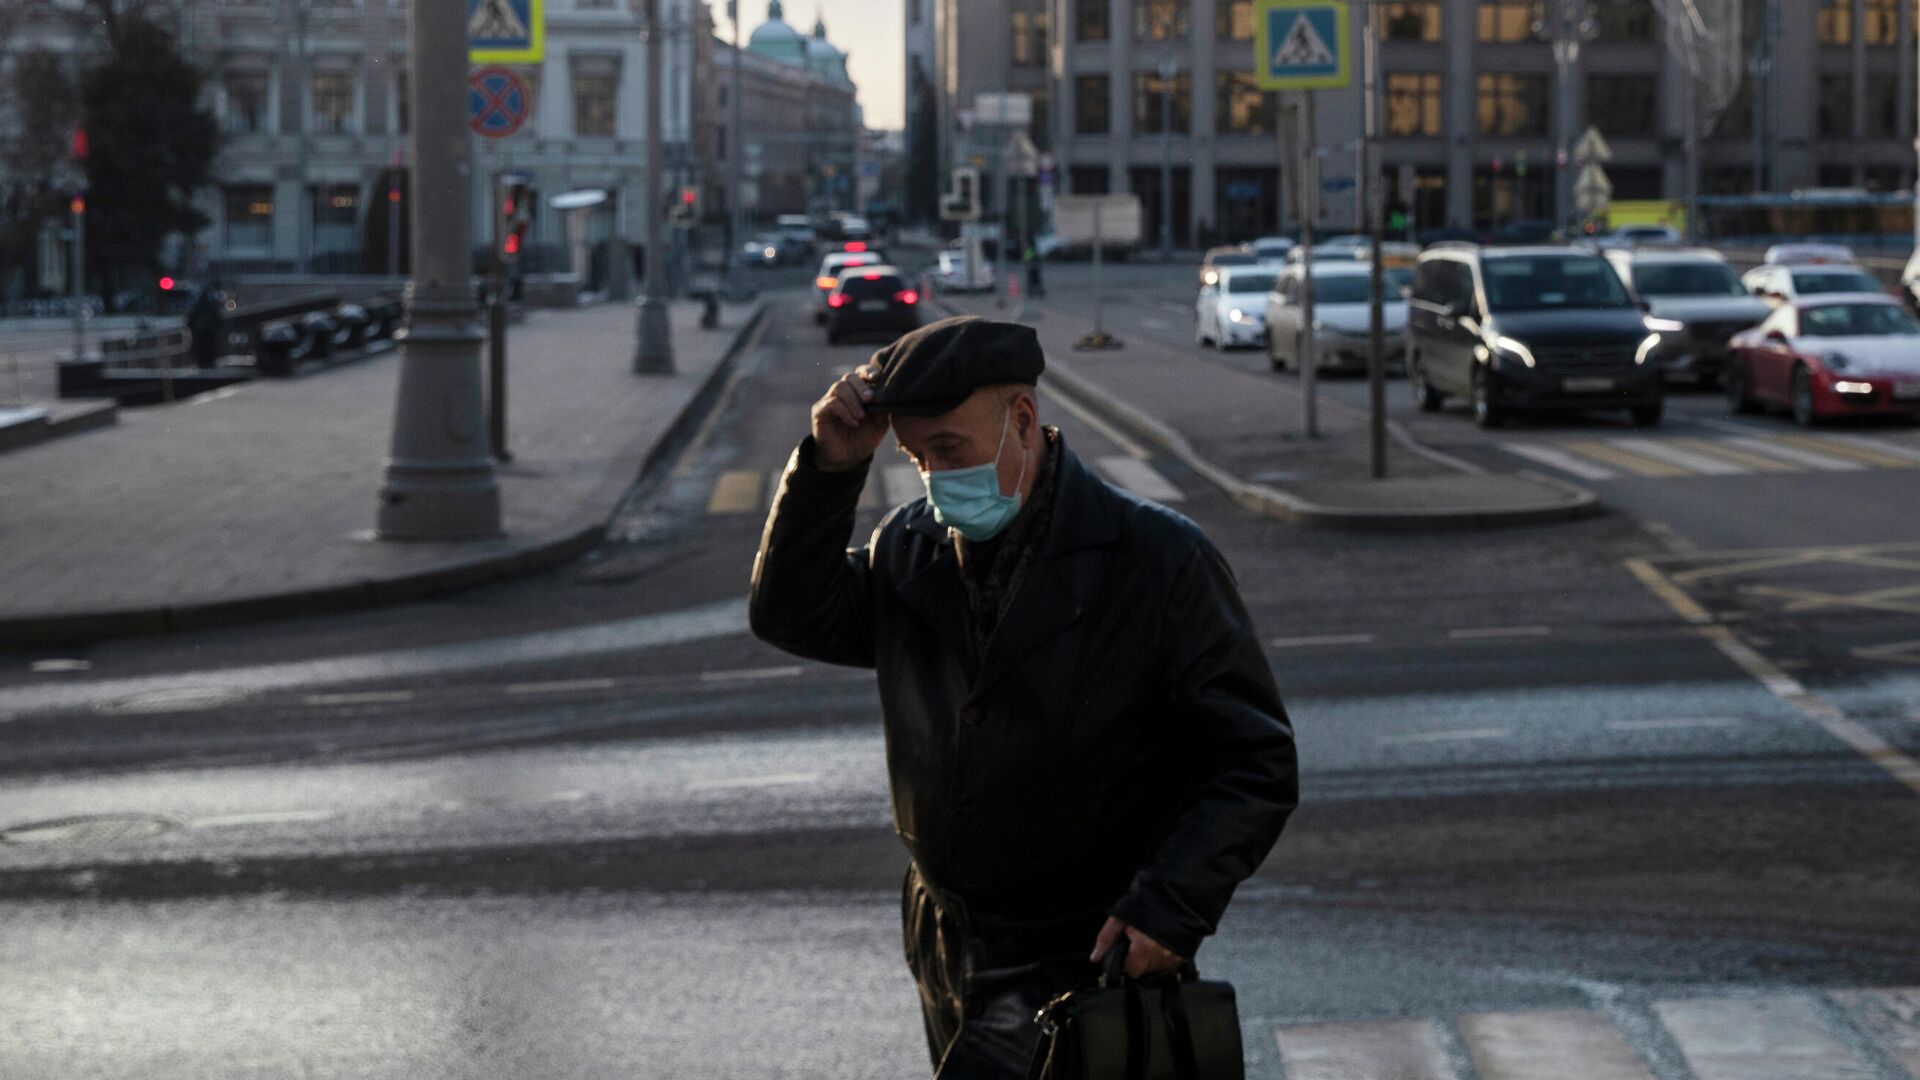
x=828 y=276
x=1829 y=356
x=872 y=300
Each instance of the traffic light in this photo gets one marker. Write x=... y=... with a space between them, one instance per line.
x=515 y=217
x=684 y=207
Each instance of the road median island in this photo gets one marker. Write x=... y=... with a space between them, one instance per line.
x=259 y=506
x=1238 y=430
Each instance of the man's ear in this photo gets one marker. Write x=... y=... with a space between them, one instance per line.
x=1029 y=415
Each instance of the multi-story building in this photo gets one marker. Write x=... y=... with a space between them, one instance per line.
x=1469 y=92
x=957 y=50
x=799 y=121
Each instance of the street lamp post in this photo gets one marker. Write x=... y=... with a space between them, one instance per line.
x=653 y=351
x=1568 y=27
x=439 y=477
x=736 y=219
x=1169 y=67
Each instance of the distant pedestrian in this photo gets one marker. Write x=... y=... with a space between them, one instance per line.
x=1036 y=288
x=1084 y=740
x=207 y=324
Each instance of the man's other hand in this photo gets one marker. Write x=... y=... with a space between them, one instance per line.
x=1145 y=956
x=845 y=434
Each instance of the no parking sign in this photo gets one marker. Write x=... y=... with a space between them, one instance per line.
x=498 y=101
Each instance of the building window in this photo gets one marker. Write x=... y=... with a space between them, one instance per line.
x=1622 y=104
x=332 y=102
x=249 y=217
x=593 y=102
x=1413 y=103
x=1625 y=20
x=1029 y=34
x=1233 y=20
x=1508 y=20
x=593 y=5
x=1410 y=22
x=1512 y=104
x=1240 y=107
x=1150 y=93
x=402 y=104
x=1090 y=20
x=1882 y=22
x=247 y=112
x=1088 y=179
x=1160 y=20
x=336 y=218
x=1883 y=106
x=1834 y=23
x=1090 y=105
x=1836 y=106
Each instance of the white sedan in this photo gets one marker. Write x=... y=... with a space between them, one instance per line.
x=1342 y=316
x=1232 y=310
x=950 y=273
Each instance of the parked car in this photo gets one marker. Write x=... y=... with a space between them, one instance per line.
x=770 y=249
x=1232 y=310
x=1845 y=354
x=1529 y=328
x=798 y=228
x=1779 y=284
x=1807 y=254
x=871 y=299
x=950 y=273
x=1271 y=249
x=1342 y=316
x=1699 y=293
x=829 y=275
x=1346 y=249
x=1220 y=257
x=1628 y=237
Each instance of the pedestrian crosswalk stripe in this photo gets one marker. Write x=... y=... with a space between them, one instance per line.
x=1560 y=459
x=1685 y=459
x=1900 y=450
x=1751 y=460
x=1764 y=1038
x=1138 y=477
x=1858 y=453
x=900 y=484
x=1401 y=1049
x=1633 y=463
x=736 y=492
x=1892 y=1018
x=1796 y=454
x=1545 y=1045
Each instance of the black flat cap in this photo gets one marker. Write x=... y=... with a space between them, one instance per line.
x=931 y=370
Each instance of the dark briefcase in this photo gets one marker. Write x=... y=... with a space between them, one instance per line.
x=1174 y=1026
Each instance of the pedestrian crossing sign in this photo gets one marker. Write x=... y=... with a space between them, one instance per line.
x=1301 y=45
x=506 y=31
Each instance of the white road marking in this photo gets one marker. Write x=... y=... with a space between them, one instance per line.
x=1692 y=462
x=1676 y=724
x=737 y=782
x=561 y=686
x=1878 y=446
x=901 y=484
x=1764 y=1038
x=263 y=817
x=42 y=667
x=1400 y=1049
x=1483 y=632
x=1892 y=1017
x=1112 y=434
x=1323 y=639
x=1560 y=459
x=175 y=699
x=1796 y=455
x=744 y=674
x=1531 y=1045
x=1458 y=735
x=1138 y=477
x=365 y=697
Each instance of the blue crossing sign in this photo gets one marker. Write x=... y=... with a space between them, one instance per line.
x=1301 y=45
x=506 y=31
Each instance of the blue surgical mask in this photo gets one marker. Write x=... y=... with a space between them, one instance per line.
x=969 y=500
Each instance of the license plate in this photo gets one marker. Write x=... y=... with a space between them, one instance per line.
x=1906 y=391
x=1589 y=384
x=873 y=305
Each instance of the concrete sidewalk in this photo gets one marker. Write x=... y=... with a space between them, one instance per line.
x=259 y=502
x=1242 y=431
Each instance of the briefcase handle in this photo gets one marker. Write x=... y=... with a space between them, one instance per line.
x=1113 y=974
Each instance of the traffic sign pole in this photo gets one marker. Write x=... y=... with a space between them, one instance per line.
x=1376 y=316
x=1309 y=351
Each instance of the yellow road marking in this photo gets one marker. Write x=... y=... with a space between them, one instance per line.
x=736 y=492
x=1810 y=599
x=1857 y=453
x=1676 y=598
x=1633 y=463
x=1709 y=448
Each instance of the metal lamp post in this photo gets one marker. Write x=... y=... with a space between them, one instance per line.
x=735 y=218
x=653 y=350
x=1570 y=26
x=1169 y=67
x=439 y=476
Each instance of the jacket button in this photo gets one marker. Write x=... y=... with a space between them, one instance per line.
x=973 y=715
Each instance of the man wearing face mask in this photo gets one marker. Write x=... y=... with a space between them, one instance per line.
x=1084 y=740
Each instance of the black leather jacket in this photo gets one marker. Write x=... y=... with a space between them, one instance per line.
x=1121 y=747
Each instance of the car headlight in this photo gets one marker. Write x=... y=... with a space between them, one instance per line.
x=1211 y=277
x=1236 y=315
x=1648 y=346
x=769 y=253
x=1664 y=326
x=1838 y=361
x=1844 y=386
x=1506 y=346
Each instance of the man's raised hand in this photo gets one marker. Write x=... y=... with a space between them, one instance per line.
x=845 y=434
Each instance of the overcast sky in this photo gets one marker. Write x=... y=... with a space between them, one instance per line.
x=873 y=33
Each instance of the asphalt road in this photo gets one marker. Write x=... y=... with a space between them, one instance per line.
x=583 y=825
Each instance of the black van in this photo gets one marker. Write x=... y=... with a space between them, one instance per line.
x=1528 y=328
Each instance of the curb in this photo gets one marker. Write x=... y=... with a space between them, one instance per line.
x=82 y=628
x=1577 y=502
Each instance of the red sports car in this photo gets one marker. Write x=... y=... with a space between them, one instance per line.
x=1834 y=355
